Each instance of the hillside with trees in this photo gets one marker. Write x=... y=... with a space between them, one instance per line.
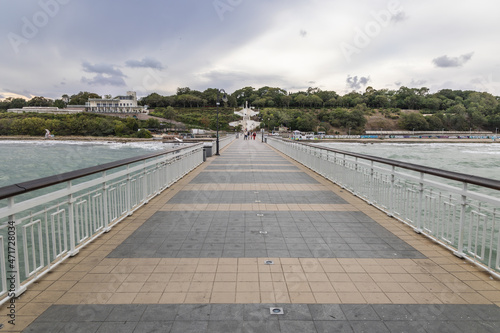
x=310 y=110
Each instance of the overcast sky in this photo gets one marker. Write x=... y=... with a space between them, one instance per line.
x=55 y=47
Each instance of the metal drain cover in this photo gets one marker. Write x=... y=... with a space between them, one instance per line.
x=263 y=232
x=260 y=215
x=257 y=201
x=276 y=311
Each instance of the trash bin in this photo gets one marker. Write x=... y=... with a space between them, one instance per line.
x=265 y=140
x=207 y=148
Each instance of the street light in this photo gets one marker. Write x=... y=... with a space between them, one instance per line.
x=224 y=99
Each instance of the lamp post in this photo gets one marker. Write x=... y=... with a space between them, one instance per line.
x=224 y=99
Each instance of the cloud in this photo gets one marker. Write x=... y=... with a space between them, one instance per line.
x=238 y=79
x=144 y=63
x=417 y=83
x=101 y=80
x=399 y=17
x=19 y=93
x=101 y=69
x=356 y=83
x=106 y=75
x=445 y=61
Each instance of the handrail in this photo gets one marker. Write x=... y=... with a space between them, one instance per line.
x=460 y=218
x=32 y=185
x=462 y=177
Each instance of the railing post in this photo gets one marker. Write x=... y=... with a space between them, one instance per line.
x=460 y=249
x=128 y=194
x=14 y=288
x=71 y=222
x=105 y=203
x=391 y=193
x=371 y=185
x=145 y=184
x=418 y=230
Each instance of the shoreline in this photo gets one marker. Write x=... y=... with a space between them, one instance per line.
x=74 y=138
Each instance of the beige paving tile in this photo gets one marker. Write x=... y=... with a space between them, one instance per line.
x=147 y=298
x=247 y=297
x=223 y=297
x=351 y=298
x=122 y=298
x=172 y=298
x=302 y=297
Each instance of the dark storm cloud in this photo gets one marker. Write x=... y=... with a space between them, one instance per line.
x=357 y=83
x=144 y=63
x=446 y=61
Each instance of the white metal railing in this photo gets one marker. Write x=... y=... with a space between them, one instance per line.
x=45 y=221
x=459 y=211
x=223 y=142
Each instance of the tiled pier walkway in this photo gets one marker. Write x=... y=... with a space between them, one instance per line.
x=195 y=260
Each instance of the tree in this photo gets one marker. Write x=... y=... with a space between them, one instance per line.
x=413 y=120
x=17 y=103
x=183 y=91
x=81 y=98
x=40 y=101
x=59 y=103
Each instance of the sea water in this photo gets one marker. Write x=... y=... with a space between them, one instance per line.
x=22 y=161
x=478 y=159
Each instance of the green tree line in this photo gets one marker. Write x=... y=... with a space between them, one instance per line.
x=314 y=108
x=82 y=124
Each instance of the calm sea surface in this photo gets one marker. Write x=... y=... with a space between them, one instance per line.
x=27 y=160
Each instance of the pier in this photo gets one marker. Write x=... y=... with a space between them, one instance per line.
x=253 y=241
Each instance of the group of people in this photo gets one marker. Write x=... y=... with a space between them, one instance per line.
x=248 y=135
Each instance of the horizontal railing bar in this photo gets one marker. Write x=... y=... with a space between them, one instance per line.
x=32 y=185
x=461 y=177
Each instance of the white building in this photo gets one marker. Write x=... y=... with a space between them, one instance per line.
x=119 y=104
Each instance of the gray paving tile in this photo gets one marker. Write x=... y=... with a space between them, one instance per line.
x=257 y=318
x=160 y=312
x=369 y=326
x=117 y=327
x=216 y=177
x=392 y=312
x=129 y=312
x=153 y=327
x=238 y=234
x=333 y=326
x=43 y=327
x=270 y=197
x=296 y=326
x=361 y=312
x=181 y=326
x=196 y=312
x=326 y=312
